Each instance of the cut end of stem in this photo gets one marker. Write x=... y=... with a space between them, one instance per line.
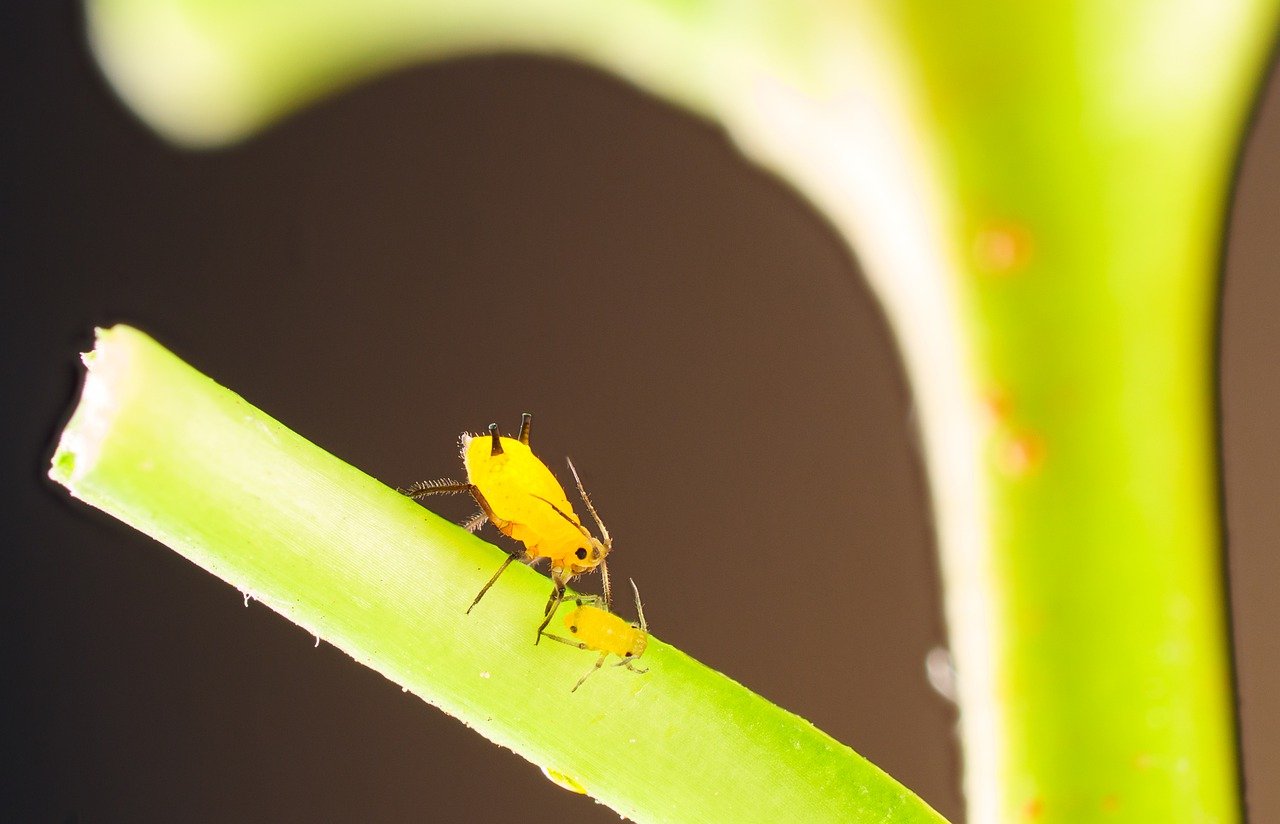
x=106 y=377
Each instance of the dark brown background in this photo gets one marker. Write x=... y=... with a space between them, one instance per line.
x=682 y=323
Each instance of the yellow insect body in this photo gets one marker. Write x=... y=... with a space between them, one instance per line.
x=523 y=497
x=599 y=630
x=518 y=493
x=603 y=631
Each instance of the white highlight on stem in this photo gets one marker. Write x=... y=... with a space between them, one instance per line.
x=941 y=672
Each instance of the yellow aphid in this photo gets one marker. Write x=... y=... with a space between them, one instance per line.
x=561 y=780
x=601 y=631
x=518 y=493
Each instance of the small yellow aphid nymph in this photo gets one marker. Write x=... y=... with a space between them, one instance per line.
x=599 y=630
x=519 y=495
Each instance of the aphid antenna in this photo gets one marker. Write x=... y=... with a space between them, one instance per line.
x=639 y=608
x=586 y=499
x=604 y=533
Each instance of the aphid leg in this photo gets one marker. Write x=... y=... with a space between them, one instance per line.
x=447 y=486
x=485 y=588
x=626 y=662
x=599 y=664
x=444 y=486
x=488 y=513
x=484 y=505
x=608 y=592
x=553 y=637
x=525 y=420
x=496 y=449
x=557 y=595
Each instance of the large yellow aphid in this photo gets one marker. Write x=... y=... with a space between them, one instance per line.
x=599 y=630
x=519 y=495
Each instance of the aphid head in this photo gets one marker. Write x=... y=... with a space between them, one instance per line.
x=588 y=557
x=638 y=645
x=573 y=618
x=590 y=553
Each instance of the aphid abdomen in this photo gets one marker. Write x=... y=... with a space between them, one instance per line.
x=519 y=487
x=601 y=631
x=511 y=475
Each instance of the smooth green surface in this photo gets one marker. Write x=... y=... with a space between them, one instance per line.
x=168 y=451
x=1106 y=157
x=1035 y=190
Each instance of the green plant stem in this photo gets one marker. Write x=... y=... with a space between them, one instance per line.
x=165 y=449
x=1035 y=192
x=1084 y=185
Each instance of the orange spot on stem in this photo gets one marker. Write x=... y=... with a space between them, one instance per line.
x=1020 y=454
x=1002 y=248
x=997 y=404
x=1033 y=809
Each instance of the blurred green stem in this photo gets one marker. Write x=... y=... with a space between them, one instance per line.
x=1035 y=191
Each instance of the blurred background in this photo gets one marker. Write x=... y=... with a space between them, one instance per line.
x=682 y=324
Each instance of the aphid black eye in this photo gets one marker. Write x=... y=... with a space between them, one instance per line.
x=573 y=629
x=628 y=655
x=581 y=553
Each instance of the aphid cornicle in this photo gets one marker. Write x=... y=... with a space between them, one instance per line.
x=599 y=630
x=519 y=495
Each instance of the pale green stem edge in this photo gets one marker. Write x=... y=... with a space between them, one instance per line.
x=165 y=449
